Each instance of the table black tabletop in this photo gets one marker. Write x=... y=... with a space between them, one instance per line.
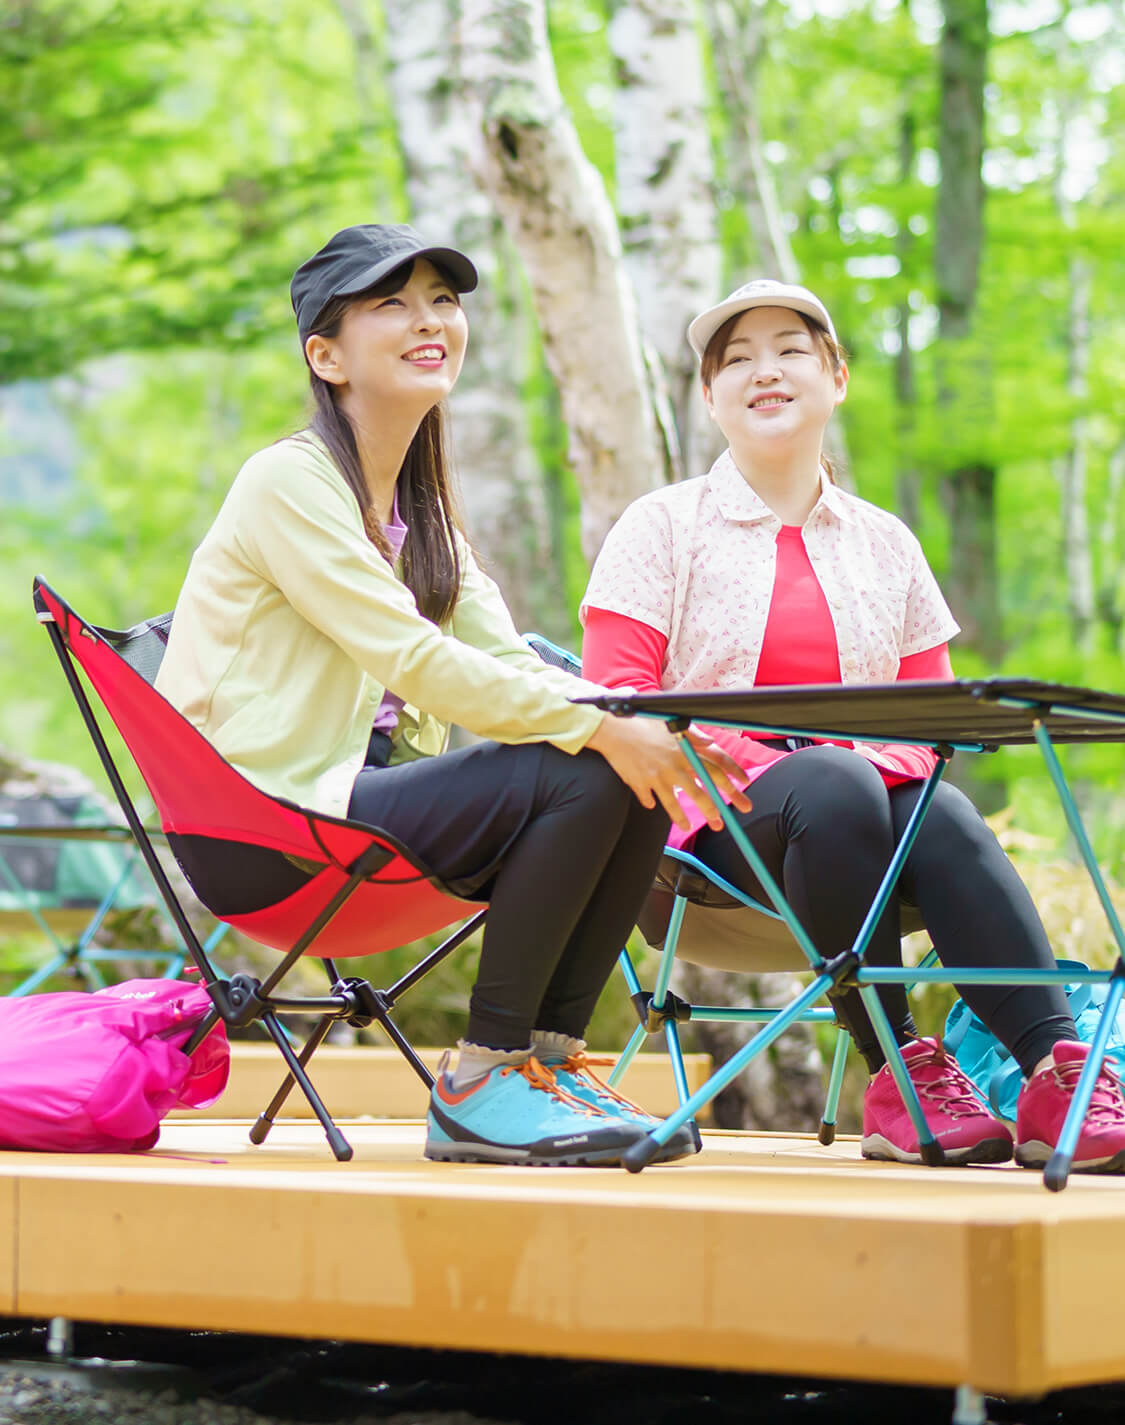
x=989 y=712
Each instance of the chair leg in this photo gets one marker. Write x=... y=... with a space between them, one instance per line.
x=340 y=1146
x=1057 y=1172
x=826 y=1133
x=929 y=1148
x=405 y=1048
x=628 y=1054
x=676 y=1054
x=268 y=1116
x=645 y=1149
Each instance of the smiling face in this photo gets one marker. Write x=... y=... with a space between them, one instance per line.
x=768 y=378
x=405 y=345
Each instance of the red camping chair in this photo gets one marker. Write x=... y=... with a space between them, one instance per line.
x=358 y=891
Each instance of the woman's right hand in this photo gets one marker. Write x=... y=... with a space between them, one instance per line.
x=649 y=760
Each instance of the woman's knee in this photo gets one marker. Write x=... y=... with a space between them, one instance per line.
x=952 y=830
x=584 y=778
x=838 y=787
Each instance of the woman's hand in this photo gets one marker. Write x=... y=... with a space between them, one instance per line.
x=649 y=760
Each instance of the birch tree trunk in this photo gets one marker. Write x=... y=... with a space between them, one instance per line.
x=965 y=375
x=666 y=205
x=555 y=208
x=502 y=485
x=1111 y=606
x=736 y=29
x=737 y=33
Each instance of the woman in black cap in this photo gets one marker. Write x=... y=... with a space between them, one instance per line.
x=334 y=622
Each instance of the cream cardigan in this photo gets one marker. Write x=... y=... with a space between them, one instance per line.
x=290 y=627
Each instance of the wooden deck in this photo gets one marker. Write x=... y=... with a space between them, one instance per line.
x=765 y=1253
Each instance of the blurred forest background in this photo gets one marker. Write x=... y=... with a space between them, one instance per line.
x=946 y=174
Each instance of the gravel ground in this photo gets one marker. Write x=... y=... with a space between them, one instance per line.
x=145 y=1377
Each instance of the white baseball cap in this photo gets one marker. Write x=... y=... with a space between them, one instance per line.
x=762 y=292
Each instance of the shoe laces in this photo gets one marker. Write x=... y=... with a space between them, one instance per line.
x=1107 y=1107
x=950 y=1089
x=579 y=1064
x=539 y=1076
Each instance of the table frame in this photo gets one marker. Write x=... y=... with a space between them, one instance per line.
x=1037 y=704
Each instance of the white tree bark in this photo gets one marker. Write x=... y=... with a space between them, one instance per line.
x=737 y=33
x=666 y=202
x=555 y=208
x=737 y=43
x=502 y=485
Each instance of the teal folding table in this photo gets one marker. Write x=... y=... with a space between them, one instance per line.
x=965 y=715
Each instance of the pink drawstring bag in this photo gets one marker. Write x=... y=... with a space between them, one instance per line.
x=95 y=1073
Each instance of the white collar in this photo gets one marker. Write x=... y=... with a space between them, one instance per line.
x=738 y=501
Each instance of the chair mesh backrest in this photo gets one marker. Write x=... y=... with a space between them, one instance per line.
x=143 y=645
x=196 y=792
x=199 y=794
x=554 y=655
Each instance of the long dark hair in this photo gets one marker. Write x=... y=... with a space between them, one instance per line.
x=430 y=562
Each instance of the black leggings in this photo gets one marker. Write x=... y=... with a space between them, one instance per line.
x=559 y=847
x=825 y=824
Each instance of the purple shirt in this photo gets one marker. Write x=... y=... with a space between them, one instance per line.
x=386 y=719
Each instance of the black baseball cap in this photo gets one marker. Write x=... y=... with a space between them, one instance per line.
x=356 y=258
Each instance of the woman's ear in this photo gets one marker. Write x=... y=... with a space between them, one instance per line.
x=707 y=401
x=320 y=353
x=841 y=381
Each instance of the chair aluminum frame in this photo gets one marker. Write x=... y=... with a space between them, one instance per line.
x=242 y=1000
x=661 y=1011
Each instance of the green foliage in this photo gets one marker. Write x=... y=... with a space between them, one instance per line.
x=160 y=178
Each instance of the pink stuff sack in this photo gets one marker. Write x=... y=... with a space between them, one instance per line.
x=95 y=1073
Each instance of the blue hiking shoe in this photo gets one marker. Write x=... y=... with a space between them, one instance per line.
x=574 y=1073
x=518 y=1113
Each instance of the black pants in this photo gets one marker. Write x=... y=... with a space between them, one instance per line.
x=825 y=824
x=558 y=846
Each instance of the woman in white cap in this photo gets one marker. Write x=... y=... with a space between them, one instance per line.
x=765 y=572
x=334 y=622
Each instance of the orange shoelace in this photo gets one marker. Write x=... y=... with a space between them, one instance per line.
x=579 y=1065
x=539 y=1076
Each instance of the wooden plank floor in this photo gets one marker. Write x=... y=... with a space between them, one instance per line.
x=764 y=1253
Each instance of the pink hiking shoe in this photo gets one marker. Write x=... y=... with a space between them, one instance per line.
x=1043 y=1106
x=951 y=1103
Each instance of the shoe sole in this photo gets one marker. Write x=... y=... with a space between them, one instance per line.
x=446 y=1152
x=449 y=1142
x=990 y=1150
x=1035 y=1154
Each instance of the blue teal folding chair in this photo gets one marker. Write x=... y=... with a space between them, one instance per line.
x=972 y=715
x=694 y=915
